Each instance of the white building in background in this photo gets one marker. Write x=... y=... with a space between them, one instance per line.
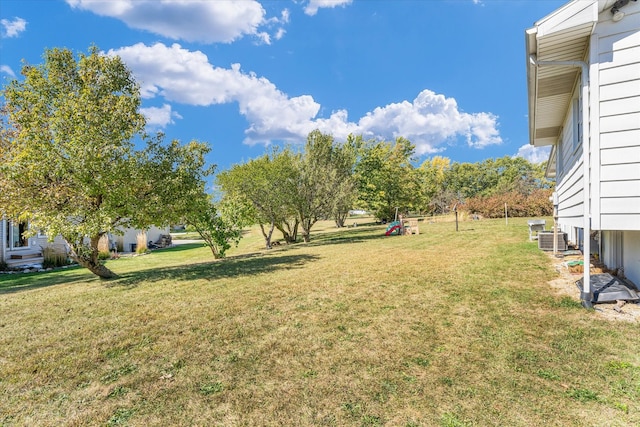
x=583 y=77
x=15 y=249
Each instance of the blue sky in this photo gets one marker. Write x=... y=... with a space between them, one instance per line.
x=449 y=75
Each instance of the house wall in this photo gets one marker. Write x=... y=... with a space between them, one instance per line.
x=570 y=173
x=130 y=236
x=616 y=121
x=40 y=241
x=621 y=249
x=631 y=255
x=614 y=57
x=35 y=243
x=3 y=239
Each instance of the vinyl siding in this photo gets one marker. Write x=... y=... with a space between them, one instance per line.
x=569 y=178
x=3 y=239
x=631 y=255
x=571 y=197
x=617 y=202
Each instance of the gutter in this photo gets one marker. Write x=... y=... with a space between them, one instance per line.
x=587 y=294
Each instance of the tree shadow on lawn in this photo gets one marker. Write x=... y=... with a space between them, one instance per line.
x=178 y=247
x=242 y=265
x=359 y=234
x=11 y=283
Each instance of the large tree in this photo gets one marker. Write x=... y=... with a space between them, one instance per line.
x=346 y=192
x=432 y=173
x=69 y=161
x=266 y=184
x=321 y=172
x=220 y=225
x=387 y=179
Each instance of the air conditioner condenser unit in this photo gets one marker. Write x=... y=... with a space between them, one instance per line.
x=545 y=241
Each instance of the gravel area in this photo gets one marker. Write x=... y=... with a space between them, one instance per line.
x=565 y=284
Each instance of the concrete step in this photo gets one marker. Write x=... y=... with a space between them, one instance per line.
x=26 y=255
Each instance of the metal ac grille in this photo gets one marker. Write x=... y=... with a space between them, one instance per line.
x=545 y=241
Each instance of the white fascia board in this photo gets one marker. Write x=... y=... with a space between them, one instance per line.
x=574 y=14
x=532 y=79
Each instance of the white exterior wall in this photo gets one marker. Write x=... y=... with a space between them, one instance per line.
x=614 y=111
x=569 y=176
x=616 y=121
x=3 y=239
x=35 y=243
x=631 y=255
x=621 y=249
x=130 y=236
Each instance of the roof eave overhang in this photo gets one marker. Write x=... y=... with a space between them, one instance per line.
x=561 y=36
x=550 y=171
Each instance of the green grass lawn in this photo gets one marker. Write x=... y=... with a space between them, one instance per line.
x=354 y=328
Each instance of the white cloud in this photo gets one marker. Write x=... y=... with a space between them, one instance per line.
x=194 y=21
x=430 y=121
x=179 y=75
x=160 y=117
x=313 y=6
x=7 y=70
x=13 y=28
x=534 y=154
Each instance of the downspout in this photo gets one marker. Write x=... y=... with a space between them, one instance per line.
x=587 y=294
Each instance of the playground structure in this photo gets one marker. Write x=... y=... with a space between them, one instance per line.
x=403 y=227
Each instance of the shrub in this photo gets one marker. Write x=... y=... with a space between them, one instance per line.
x=103 y=244
x=54 y=257
x=536 y=203
x=141 y=243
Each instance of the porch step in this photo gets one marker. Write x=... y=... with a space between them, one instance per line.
x=26 y=256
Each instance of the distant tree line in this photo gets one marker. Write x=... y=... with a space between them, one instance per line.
x=290 y=189
x=70 y=167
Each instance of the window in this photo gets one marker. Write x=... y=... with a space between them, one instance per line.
x=559 y=158
x=15 y=235
x=577 y=123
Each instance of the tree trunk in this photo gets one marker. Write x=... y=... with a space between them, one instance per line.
x=214 y=251
x=340 y=218
x=306 y=229
x=289 y=230
x=267 y=235
x=285 y=234
x=98 y=269
x=87 y=256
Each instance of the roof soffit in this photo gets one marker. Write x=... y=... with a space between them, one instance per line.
x=561 y=36
x=574 y=14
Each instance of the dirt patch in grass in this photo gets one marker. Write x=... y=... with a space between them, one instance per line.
x=565 y=284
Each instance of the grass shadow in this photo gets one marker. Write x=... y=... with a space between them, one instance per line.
x=351 y=235
x=11 y=283
x=179 y=247
x=243 y=265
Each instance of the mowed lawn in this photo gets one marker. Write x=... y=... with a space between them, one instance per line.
x=444 y=328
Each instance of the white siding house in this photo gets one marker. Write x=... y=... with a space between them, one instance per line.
x=583 y=77
x=16 y=249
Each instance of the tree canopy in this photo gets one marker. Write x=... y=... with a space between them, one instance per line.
x=387 y=178
x=265 y=186
x=69 y=160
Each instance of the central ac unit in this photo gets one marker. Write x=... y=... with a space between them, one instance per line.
x=545 y=241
